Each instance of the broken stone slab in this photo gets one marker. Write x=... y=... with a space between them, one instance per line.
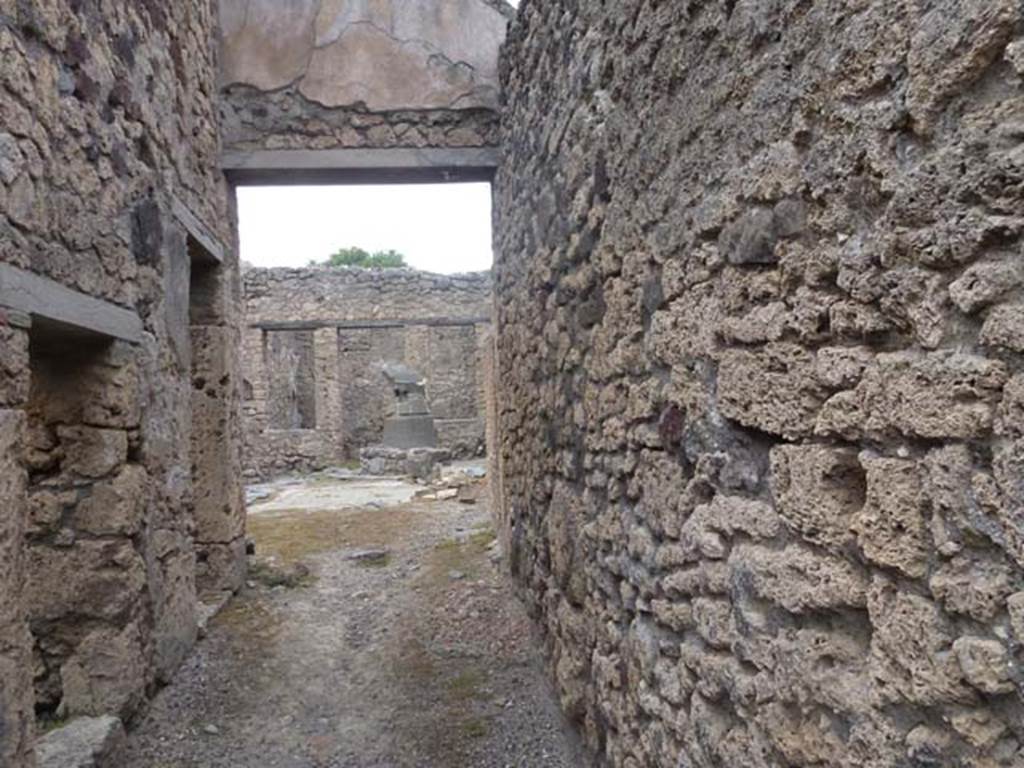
x=86 y=742
x=368 y=556
x=385 y=461
x=207 y=609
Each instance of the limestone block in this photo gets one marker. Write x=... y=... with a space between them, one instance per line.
x=1010 y=417
x=46 y=508
x=891 y=526
x=985 y=664
x=750 y=239
x=171 y=564
x=220 y=566
x=16 y=694
x=115 y=506
x=972 y=586
x=701 y=535
x=818 y=490
x=939 y=395
x=857 y=321
x=1015 y=605
x=911 y=649
x=1003 y=499
x=979 y=727
x=14 y=367
x=798 y=579
x=772 y=389
x=92 y=453
x=983 y=284
x=941 y=63
x=107 y=673
x=85 y=742
x=98 y=579
x=842 y=367
x=219 y=512
x=109 y=390
x=803 y=738
x=1004 y=328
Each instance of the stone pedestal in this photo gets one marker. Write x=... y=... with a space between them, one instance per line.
x=410 y=432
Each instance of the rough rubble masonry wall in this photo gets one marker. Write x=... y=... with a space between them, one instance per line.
x=330 y=74
x=108 y=143
x=314 y=344
x=761 y=337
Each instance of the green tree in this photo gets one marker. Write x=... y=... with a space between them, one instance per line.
x=358 y=257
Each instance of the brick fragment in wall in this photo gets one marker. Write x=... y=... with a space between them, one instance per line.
x=838 y=322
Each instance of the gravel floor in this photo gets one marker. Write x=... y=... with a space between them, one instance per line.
x=336 y=656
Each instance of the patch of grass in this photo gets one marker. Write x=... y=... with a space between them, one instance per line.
x=291 y=576
x=294 y=534
x=474 y=727
x=466 y=685
x=466 y=555
x=374 y=562
x=51 y=721
x=253 y=625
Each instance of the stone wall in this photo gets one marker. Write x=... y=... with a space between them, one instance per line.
x=109 y=197
x=760 y=340
x=348 y=323
x=420 y=74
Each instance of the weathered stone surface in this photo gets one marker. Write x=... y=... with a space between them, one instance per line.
x=912 y=649
x=100 y=579
x=944 y=395
x=114 y=507
x=818 y=490
x=974 y=587
x=362 y=74
x=891 y=525
x=16 y=699
x=109 y=115
x=760 y=262
x=773 y=390
x=85 y=742
x=983 y=284
x=1004 y=328
x=800 y=580
x=985 y=664
x=92 y=453
x=106 y=674
x=264 y=47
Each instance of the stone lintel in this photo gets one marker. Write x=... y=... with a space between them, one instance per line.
x=403 y=165
x=312 y=325
x=66 y=311
x=210 y=250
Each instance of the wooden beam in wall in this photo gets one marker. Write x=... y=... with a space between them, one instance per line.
x=312 y=325
x=403 y=165
x=48 y=303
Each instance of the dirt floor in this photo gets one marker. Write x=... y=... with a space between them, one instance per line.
x=379 y=636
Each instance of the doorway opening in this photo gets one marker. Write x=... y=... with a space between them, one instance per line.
x=346 y=287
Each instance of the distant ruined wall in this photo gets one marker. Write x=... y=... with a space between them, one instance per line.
x=347 y=74
x=761 y=375
x=108 y=146
x=327 y=332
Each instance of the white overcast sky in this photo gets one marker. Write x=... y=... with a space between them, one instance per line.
x=439 y=227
